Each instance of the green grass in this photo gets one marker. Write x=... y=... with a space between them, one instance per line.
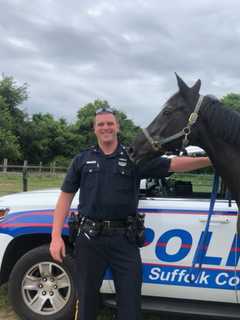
x=200 y=182
x=3 y=297
x=13 y=182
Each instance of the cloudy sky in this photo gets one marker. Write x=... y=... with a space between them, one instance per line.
x=123 y=51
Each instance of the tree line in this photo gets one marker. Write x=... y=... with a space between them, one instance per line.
x=42 y=138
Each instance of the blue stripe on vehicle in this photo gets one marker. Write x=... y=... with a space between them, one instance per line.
x=211 y=278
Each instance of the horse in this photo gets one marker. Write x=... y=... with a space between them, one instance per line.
x=189 y=118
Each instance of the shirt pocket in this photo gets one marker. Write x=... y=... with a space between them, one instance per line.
x=124 y=178
x=90 y=175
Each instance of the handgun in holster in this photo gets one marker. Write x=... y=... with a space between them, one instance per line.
x=91 y=229
x=135 y=231
x=73 y=223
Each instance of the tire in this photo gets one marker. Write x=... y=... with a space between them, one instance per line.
x=42 y=289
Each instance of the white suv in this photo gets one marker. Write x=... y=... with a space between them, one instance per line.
x=42 y=289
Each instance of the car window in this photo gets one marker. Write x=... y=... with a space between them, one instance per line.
x=184 y=185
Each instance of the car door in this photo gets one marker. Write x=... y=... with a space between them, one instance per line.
x=174 y=227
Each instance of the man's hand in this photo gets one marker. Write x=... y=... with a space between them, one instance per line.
x=57 y=245
x=57 y=249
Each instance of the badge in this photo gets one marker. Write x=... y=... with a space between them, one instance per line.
x=122 y=162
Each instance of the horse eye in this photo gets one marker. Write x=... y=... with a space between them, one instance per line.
x=166 y=112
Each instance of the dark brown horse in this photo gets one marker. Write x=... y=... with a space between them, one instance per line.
x=189 y=118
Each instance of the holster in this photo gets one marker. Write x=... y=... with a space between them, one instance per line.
x=90 y=228
x=73 y=224
x=135 y=231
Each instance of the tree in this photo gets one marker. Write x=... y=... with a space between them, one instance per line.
x=46 y=139
x=11 y=117
x=84 y=124
x=10 y=147
x=232 y=100
x=13 y=94
x=128 y=130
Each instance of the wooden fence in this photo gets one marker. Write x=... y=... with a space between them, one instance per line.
x=27 y=171
x=25 y=167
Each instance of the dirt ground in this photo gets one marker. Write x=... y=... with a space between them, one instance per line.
x=7 y=314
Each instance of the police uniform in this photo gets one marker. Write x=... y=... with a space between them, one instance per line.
x=109 y=186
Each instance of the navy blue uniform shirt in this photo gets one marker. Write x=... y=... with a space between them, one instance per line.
x=109 y=184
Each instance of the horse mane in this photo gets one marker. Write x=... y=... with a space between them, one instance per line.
x=222 y=121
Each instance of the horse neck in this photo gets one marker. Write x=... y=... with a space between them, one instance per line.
x=225 y=157
x=223 y=122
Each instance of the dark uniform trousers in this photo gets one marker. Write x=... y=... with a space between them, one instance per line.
x=93 y=257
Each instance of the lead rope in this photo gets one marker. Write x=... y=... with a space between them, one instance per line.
x=198 y=257
x=235 y=268
x=76 y=310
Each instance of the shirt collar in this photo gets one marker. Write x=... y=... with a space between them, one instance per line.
x=118 y=152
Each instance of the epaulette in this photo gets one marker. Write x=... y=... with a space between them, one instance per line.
x=93 y=148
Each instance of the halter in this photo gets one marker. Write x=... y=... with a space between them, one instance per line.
x=158 y=143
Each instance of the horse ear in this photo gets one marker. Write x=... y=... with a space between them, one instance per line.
x=196 y=87
x=183 y=88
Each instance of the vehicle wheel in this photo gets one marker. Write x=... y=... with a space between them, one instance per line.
x=42 y=289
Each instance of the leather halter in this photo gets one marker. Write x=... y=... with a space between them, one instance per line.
x=158 y=143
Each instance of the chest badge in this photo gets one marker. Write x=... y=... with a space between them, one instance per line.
x=122 y=162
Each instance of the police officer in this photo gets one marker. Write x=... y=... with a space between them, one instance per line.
x=109 y=184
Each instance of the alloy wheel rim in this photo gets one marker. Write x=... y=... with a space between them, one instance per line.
x=46 y=288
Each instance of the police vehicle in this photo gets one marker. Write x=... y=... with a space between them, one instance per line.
x=175 y=219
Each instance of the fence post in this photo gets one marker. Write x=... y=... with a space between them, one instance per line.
x=5 y=164
x=40 y=167
x=25 y=176
x=53 y=168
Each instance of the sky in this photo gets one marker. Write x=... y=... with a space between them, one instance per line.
x=73 y=52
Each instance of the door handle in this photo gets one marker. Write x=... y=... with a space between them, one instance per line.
x=216 y=220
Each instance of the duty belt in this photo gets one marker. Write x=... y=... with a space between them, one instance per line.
x=91 y=228
x=105 y=224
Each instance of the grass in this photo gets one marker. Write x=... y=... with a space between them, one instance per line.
x=13 y=182
x=200 y=182
x=3 y=297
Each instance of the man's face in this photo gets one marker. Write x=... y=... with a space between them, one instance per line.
x=106 y=127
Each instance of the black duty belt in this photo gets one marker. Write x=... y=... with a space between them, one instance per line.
x=105 y=224
x=111 y=224
x=132 y=227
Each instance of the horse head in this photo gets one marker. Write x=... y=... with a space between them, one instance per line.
x=167 y=131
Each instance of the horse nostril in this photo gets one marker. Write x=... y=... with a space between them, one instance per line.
x=130 y=150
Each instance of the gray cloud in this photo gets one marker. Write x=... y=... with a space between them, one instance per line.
x=72 y=53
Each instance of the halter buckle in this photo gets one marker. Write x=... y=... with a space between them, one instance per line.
x=156 y=145
x=193 y=118
x=186 y=131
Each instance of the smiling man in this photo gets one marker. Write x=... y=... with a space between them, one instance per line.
x=108 y=236
x=106 y=128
